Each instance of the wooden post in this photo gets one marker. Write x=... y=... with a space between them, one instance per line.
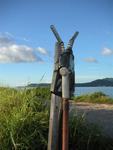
x=54 y=123
x=56 y=106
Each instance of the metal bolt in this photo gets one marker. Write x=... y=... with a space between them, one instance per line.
x=64 y=71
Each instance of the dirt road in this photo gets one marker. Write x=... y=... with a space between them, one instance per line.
x=101 y=114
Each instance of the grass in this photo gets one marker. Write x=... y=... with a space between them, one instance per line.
x=24 y=121
x=97 y=97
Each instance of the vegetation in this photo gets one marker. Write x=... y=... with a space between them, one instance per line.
x=97 y=97
x=24 y=120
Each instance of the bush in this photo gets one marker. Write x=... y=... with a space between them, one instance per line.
x=97 y=97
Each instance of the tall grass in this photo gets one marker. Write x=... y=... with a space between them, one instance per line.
x=24 y=121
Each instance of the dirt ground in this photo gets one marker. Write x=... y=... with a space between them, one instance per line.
x=101 y=114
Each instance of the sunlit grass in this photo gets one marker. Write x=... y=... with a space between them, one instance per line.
x=24 y=122
x=23 y=119
x=97 y=97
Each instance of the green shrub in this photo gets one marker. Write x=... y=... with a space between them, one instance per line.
x=97 y=97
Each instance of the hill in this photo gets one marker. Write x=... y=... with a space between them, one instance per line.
x=98 y=82
x=95 y=83
x=38 y=85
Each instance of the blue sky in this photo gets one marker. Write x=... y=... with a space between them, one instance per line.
x=27 y=43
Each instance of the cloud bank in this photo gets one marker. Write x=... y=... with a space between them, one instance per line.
x=17 y=53
x=11 y=52
x=5 y=41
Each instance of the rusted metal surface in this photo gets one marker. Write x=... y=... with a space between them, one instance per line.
x=65 y=128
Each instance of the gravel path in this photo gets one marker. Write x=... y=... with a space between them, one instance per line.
x=101 y=114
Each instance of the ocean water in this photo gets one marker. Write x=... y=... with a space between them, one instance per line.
x=86 y=90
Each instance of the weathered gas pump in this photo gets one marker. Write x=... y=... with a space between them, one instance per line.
x=62 y=89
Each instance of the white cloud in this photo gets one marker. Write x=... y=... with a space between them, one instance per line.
x=17 y=53
x=90 y=60
x=107 y=51
x=42 y=50
x=10 y=52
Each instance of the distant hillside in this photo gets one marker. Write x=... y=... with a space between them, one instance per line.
x=38 y=85
x=99 y=82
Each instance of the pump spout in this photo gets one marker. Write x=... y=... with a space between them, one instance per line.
x=56 y=34
x=71 y=41
x=61 y=43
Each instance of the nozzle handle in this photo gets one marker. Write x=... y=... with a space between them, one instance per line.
x=56 y=34
x=71 y=41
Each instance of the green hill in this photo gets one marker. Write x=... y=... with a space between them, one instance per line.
x=98 y=82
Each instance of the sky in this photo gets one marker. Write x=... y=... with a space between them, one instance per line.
x=27 y=43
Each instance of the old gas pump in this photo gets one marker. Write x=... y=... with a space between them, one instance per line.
x=62 y=89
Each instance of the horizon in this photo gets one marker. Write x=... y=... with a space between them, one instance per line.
x=23 y=85
x=27 y=43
